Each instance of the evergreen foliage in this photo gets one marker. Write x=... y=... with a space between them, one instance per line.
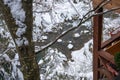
x=117 y=59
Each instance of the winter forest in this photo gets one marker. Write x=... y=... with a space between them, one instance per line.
x=50 y=39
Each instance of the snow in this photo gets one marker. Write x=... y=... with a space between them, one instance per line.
x=59 y=40
x=3 y=33
x=83 y=57
x=20 y=75
x=86 y=31
x=19 y=15
x=46 y=17
x=69 y=41
x=16 y=9
x=40 y=62
x=6 y=57
x=56 y=62
x=110 y=25
x=53 y=12
x=21 y=42
x=52 y=51
x=16 y=71
x=20 y=31
x=76 y=54
x=44 y=37
x=70 y=46
x=76 y=35
x=75 y=23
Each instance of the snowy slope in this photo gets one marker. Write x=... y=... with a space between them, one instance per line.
x=55 y=64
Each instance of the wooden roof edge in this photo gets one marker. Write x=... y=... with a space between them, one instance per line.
x=110 y=5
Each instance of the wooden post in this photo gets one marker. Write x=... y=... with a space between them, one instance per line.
x=97 y=39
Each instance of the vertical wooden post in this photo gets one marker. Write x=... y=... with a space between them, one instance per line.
x=97 y=38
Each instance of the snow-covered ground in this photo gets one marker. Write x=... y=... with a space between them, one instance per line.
x=55 y=64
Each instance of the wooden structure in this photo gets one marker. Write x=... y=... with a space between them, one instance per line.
x=111 y=4
x=104 y=51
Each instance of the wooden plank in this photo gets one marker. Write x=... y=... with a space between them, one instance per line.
x=114 y=48
x=97 y=28
x=110 y=41
x=112 y=4
x=106 y=56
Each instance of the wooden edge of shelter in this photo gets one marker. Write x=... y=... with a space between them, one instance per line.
x=103 y=52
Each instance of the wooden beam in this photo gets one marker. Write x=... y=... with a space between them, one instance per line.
x=110 y=5
x=97 y=36
x=106 y=56
x=111 y=40
x=114 y=48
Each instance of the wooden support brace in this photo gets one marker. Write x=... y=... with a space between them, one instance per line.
x=97 y=37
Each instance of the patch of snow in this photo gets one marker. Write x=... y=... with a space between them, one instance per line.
x=38 y=19
x=59 y=40
x=70 y=46
x=46 y=17
x=86 y=31
x=83 y=60
x=75 y=23
x=11 y=44
x=69 y=41
x=21 y=42
x=76 y=35
x=44 y=37
x=6 y=57
x=52 y=51
x=20 y=75
x=21 y=31
x=40 y=62
x=16 y=71
x=17 y=56
x=16 y=9
x=17 y=12
x=3 y=33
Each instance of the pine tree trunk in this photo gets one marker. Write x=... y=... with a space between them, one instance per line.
x=26 y=53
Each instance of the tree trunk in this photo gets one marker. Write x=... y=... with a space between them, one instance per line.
x=26 y=53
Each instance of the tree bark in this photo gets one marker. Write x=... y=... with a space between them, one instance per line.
x=26 y=53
